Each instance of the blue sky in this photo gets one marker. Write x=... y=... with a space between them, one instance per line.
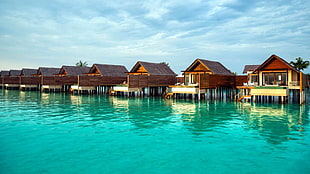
x=36 y=33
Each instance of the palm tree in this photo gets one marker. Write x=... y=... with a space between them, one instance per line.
x=80 y=63
x=300 y=64
x=166 y=63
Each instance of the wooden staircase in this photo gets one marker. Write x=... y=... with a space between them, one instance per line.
x=243 y=95
x=247 y=97
x=167 y=94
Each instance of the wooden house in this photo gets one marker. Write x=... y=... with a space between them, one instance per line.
x=12 y=81
x=47 y=75
x=14 y=73
x=275 y=79
x=251 y=77
x=203 y=75
x=101 y=78
x=148 y=78
x=47 y=72
x=27 y=72
x=28 y=81
x=2 y=75
x=64 y=78
x=73 y=71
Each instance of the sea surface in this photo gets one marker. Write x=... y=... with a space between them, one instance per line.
x=62 y=133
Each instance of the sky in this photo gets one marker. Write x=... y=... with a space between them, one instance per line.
x=40 y=33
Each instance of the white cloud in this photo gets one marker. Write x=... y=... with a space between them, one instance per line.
x=156 y=9
x=118 y=31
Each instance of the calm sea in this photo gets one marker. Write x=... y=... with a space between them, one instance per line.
x=61 y=133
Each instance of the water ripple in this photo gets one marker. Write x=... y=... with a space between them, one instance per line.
x=118 y=132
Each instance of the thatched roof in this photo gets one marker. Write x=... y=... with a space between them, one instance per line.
x=73 y=70
x=109 y=70
x=28 y=72
x=154 y=68
x=15 y=73
x=45 y=71
x=4 y=73
x=215 y=67
x=249 y=68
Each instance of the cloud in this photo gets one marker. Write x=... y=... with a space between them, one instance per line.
x=125 y=31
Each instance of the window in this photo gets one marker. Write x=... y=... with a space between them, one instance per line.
x=253 y=78
x=274 y=78
x=186 y=82
x=194 y=78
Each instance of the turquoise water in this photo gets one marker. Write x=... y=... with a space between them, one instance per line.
x=61 y=133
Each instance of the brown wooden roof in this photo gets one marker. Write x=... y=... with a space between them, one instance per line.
x=109 y=70
x=153 y=68
x=215 y=67
x=250 y=68
x=73 y=70
x=14 y=73
x=46 y=71
x=28 y=72
x=274 y=62
x=4 y=73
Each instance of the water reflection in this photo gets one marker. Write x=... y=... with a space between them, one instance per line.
x=273 y=122
x=148 y=113
x=95 y=110
x=200 y=117
x=276 y=123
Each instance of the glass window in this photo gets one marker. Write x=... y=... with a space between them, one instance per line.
x=186 y=79
x=271 y=79
x=284 y=79
x=254 y=78
x=274 y=78
x=265 y=79
x=194 y=78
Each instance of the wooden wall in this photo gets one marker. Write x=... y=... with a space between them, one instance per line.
x=181 y=80
x=305 y=81
x=239 y=80
x=222 y=81
x=11 y=80
x=274 y=65
x=143 y=81
x=58 y=80
x=204 y=81
x=30 y=80
x=100 y=80
x=64 y=80
x=213 y=81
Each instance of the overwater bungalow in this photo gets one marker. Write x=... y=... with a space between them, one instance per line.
x=72 y=71
x=12 y=80
x=2 y=75
x=274 y=80
x=27 y=79
x=205 y=78
x=251 y=77
x=147 y=78
x=101 y=78
x=68 y=76
x=27 y=72
x=47 y=75
x=47 y=72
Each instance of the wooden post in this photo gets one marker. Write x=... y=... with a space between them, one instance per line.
x=302 y=94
